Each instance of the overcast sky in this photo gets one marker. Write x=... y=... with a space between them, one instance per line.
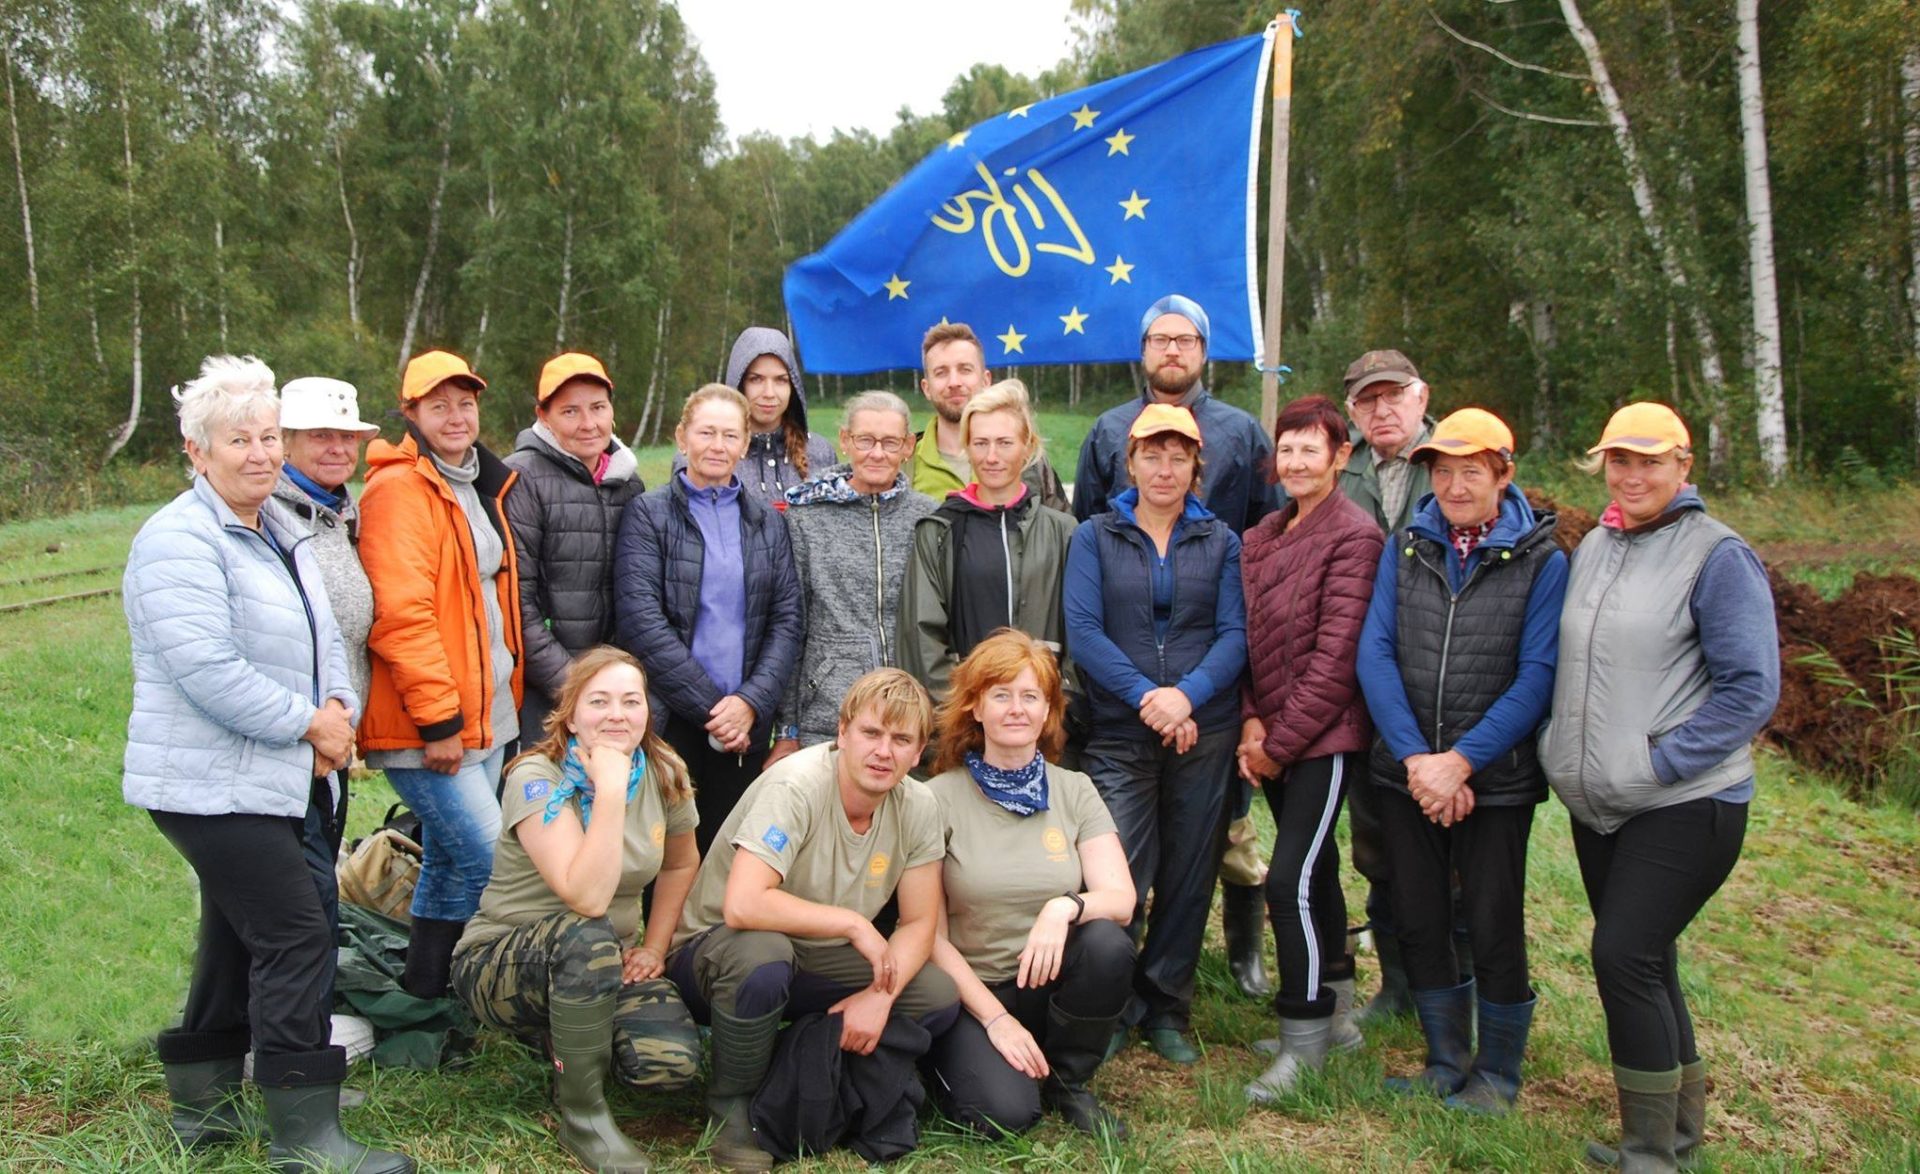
x=793 y=68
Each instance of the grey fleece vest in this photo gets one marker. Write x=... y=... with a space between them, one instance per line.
x=1630 y=670
x=1459 y=653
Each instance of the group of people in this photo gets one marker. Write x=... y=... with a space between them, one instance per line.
x=908 y=780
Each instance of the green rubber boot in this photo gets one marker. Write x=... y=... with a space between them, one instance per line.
x=581 y=1034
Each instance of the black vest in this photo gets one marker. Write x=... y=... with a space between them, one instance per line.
x=1458 y=654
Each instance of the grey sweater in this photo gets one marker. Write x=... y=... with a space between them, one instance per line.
x=335 y=546
x=850 y=551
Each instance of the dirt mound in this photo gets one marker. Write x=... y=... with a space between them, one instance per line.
x=1816 y=722
x=1574 y=521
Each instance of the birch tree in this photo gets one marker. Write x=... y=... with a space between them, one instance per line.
x=1772 y=418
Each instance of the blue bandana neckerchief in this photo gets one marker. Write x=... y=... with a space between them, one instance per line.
x=1022 y=791
x=574 y=781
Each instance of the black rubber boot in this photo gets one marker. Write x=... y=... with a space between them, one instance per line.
x=1495 y=1080
x=1446 y=1018
x=1649 y=1104
x=581 y=1035
x=1074 y=1049
x=430 y=956
x=1243 y=921
x=302 y=1095
x=1689 y=1122
x=742 y=1049
x=1395 y=997
x=204 y=1071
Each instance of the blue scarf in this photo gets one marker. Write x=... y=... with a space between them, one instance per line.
x=1022 y=790
x=333 y=499
x=574 y=781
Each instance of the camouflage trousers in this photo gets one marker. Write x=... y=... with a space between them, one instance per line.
x=509 y=982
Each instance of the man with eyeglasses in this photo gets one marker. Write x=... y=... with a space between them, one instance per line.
x=852 y=530
x=1237 y=454
x=1387 y=402
x=953 y=371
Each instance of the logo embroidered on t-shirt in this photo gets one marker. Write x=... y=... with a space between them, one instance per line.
x=535 y=790
x=775 y=839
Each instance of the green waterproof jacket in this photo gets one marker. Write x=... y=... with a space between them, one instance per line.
x=1360 y=480
x=1039 y=549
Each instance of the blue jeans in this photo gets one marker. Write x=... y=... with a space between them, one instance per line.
x=459 y=821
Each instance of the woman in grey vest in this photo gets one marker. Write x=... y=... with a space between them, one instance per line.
x=1457 y=661
x=1670 y=666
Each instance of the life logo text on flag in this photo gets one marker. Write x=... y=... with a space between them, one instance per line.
x=1050 y=227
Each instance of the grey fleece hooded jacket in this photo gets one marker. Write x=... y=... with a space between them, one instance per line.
x=766 y=471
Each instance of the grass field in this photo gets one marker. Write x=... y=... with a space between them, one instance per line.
x=1801 y=973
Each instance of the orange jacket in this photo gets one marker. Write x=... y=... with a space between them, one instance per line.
x=428 y=647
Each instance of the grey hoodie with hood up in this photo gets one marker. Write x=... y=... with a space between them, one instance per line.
x=766 y=471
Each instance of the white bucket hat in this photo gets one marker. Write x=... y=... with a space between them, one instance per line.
x=316 y=402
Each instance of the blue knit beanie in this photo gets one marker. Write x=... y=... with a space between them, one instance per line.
x=1184 y=306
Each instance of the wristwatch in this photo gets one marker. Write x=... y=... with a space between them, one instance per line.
x=1079 y=907
x=787 y=734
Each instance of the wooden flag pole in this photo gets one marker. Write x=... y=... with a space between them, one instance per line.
x=1277 y=217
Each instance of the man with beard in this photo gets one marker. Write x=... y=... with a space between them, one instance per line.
x=954 y=370
x=1235 y=487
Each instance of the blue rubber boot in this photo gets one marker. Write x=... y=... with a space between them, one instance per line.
x=1495 y=1080
x=1446 y=1017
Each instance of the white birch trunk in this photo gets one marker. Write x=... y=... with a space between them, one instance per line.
x=20 y=173
x=1712 y=372
x=220 y=276
x=1910 y=137
x=93 y=321
x=433 y=243
x=566 y=285
x=1771 y=396
x=124 y=432
x=354 y=261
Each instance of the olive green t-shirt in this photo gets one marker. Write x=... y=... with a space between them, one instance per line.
x=1001 y=867
x=518 y=894
x=792 y=818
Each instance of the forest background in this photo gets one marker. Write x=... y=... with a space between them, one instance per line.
x=336 y=184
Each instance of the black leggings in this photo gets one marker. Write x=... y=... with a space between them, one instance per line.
x=1304 y=901
x=1645 y=882
x=1488 y=850
x=719 y=777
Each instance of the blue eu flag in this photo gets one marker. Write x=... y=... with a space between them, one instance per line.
x=1050 y=228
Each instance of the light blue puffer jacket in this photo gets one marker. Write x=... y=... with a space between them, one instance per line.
x=228 y=660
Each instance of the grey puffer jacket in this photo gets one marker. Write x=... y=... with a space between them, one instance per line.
x=232 y=655
x=850 y=550
x=768 y=471
x=336 y=546
x=564 y=526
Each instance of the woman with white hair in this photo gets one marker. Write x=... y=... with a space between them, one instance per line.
x=242 y=706
x=852 y=530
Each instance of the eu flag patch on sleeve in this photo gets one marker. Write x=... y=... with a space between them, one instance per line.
x=775 y=839
x=535 y=790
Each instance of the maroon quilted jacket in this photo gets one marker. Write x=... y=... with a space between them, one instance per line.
x=1307 y=595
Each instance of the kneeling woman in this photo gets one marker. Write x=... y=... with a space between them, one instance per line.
x=1456 y=660
x=1037 y=900
x=597 y=810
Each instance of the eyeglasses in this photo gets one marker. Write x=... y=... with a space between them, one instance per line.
x=891 y=445
x=1161 y=342
x=1393 y=397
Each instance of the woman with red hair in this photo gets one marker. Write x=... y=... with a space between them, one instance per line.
x=1037 y=899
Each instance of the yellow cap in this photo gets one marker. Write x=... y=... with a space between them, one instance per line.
x=1649 y=428
x=1465 y=432
x=572 y=365
x=1157 y=418
x=429 y=369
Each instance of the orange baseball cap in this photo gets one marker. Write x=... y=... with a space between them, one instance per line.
x=1465 y=432
x=1649 y=428
x=1157 y=418
x=572 y=365
x=429 y=369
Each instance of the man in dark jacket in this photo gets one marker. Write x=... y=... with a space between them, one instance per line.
x=1174 y=333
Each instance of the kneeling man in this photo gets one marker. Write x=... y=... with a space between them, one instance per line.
x=780 y=921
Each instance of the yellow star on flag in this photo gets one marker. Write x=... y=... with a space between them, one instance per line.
x=1120 y=270
x=958 y=139
x=1019 y=111
x=897 y=288
x=1075 y=321
x=1083 y=117
x=1011 y=340
x=1135 y=206
x=1117 y=142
